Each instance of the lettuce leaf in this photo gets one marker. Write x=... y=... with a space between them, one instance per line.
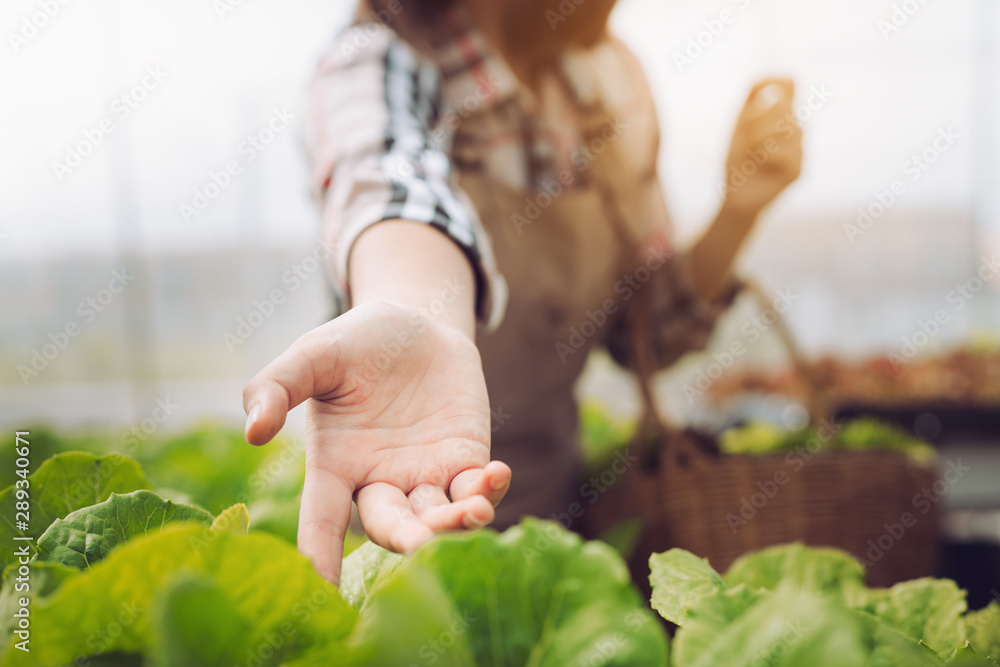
x=88 y=535
x=818 y=570
x=262 y=579
x=533 y=595
x=197 y=625
x=679 y=579
x=982 y=628
x=63 y=484
x=788 y=628
x=816 y=594
x=929 y=610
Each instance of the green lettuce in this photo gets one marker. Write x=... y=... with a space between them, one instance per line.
x=261 y=580
x=533 y=595
x=88 y=535
x=983 y=630
x=818 y=596
x=63 y=484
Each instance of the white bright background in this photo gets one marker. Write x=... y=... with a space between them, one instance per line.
x=226 y=71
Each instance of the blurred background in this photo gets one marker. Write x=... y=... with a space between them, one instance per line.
x=134 y=268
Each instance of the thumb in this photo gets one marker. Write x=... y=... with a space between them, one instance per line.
x=310 y=367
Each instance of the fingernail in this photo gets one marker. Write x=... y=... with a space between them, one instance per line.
x=472 y=521
x=497 y=483
x=252 y=417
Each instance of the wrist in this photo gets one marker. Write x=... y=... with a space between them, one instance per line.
x=418 y=267
x=738 y=215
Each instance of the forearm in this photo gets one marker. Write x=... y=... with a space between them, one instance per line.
x=713 y=256
x=412 y=264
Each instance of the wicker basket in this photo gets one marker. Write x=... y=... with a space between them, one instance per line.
x=720 y=506
x=688 y=495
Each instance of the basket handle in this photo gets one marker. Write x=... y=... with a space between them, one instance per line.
x=672 y=441
x=817 y=404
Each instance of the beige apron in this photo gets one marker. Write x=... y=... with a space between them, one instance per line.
x=566 y=262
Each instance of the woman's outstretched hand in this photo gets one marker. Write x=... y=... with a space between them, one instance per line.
x=399 y=419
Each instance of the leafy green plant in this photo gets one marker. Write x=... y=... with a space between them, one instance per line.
x=123 y=576
x=763 y=438
x=87 y=535
x=534 y=595
x=64 y=484
x=795 y=605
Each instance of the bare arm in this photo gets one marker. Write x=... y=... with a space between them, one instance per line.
x=764 y=158
x=413 y=264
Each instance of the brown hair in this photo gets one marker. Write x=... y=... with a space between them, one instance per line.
x=414 y=23
x=532 y=28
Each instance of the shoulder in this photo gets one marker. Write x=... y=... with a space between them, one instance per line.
x=613 y=76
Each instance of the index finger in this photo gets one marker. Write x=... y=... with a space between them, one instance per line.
x=323 y=519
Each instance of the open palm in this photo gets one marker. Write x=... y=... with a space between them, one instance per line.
x=399 y=419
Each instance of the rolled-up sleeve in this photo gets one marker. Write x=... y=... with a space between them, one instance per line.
x=378 y=152
x=675 y=318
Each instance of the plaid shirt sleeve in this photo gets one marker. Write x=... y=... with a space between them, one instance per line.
x=678 y=321
x=379 y=151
